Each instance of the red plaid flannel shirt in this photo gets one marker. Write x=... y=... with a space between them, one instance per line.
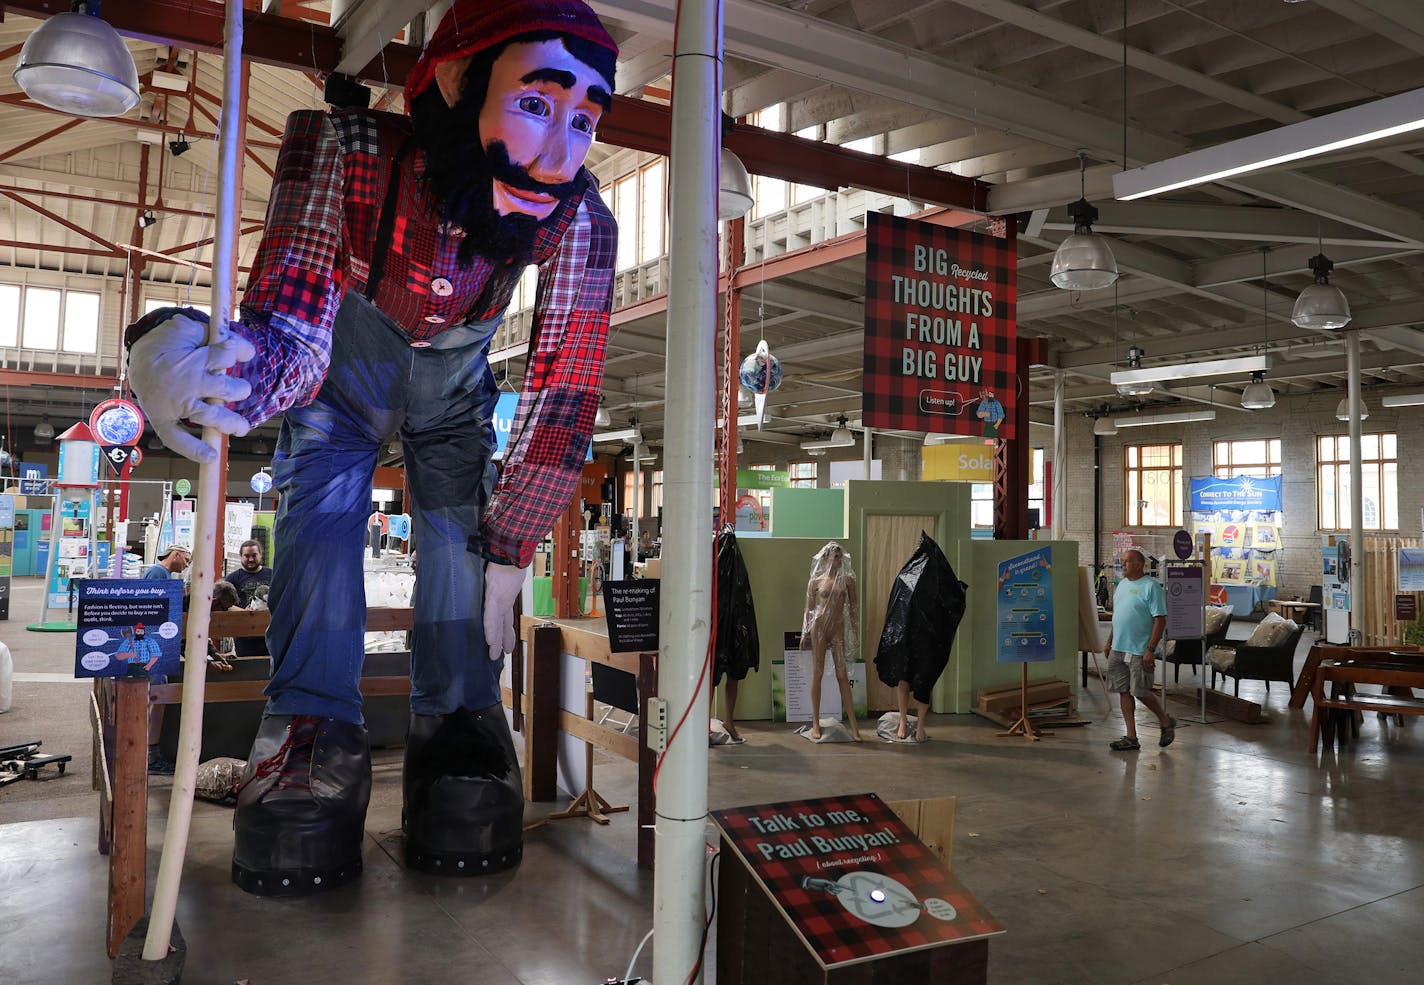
x=331 y=179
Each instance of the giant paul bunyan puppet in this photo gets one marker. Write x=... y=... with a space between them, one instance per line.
x=391 y=250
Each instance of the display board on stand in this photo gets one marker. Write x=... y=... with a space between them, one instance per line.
x=1025 y=622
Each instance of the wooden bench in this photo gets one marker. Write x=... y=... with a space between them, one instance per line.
x=1342 y=678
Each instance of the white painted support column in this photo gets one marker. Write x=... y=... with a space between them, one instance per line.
x=1058 y=494
x=866 y=454
x=1357 y=491
x=680 y=830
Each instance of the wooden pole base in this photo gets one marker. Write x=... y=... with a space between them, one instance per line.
x=589 y=804
x=1023 y=726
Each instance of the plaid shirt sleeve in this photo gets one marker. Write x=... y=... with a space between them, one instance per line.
x=295 y=287
x=554 y=421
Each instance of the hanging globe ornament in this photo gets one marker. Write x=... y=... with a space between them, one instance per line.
x=760 y=373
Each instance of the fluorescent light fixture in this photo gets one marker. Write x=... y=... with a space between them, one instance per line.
x=633 y=434
x=1375 y=120
x=1403 y=400
x=945 y=439
x=1173 y=417
x=1187 y=371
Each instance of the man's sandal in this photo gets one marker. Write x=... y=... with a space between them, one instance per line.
x=1125 y=744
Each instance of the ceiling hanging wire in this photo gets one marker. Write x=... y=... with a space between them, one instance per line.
x=1258 y=394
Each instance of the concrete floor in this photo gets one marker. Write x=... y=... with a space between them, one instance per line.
x=1234 y=856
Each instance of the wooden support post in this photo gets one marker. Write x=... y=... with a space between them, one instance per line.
x=647 y=760
x=130 y=834
x=565 y=564
x=541 y=744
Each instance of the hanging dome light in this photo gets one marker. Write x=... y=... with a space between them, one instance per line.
x=1258 y=394
x=1104 y=427
x=1322 y=304
x=1137 y=388
x=1083 y=261
x=77 y=63
x=734 y=192
x=1342 y=410
x=44 y=431
x=601 y=417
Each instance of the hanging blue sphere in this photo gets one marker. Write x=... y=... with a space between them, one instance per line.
x=755 y=370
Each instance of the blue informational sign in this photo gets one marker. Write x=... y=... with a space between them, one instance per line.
x=128 y=627
x=7 y=511
x=400 y=526
x=1025 y=608
x=1245 y=492
x=34 y=478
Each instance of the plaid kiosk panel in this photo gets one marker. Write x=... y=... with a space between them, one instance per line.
x=923 y=369
x=834 y=934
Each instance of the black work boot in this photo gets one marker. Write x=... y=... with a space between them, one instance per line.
x=301 y=808
x=463 y=797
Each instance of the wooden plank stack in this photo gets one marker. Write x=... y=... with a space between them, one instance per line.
x=1050 y=702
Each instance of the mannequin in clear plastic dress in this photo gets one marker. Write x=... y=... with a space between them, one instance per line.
x=832 y=613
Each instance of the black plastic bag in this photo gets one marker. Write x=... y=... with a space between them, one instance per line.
x=926 y=604
x=738 y=648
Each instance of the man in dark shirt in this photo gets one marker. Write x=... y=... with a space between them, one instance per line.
x=247 y=580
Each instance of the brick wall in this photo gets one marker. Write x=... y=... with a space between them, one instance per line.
x=1295 y=420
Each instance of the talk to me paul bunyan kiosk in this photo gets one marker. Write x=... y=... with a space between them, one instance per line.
x=956 y=375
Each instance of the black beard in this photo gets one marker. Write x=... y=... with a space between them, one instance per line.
x=462 y=173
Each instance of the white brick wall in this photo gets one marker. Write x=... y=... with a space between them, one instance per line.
x=1296 y=421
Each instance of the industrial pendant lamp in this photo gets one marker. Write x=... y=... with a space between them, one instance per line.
x=44 y=431
x=1258 y=394
x=601 y=417
x=1084 y=261
x=1322 y=304
x=1342 y=409
x=734 y=185
x=77 y=63
x=1135 y=388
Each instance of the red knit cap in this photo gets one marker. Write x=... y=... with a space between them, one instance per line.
x=471 y=26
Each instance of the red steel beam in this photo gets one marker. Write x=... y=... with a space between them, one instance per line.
x=72 y=226
x=77 y=197
x=41 y=138
x=51 y=248
x=21 y=100
x=289 y=43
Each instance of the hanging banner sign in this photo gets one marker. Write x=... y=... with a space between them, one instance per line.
x=34 y=478
x=958 y=463
x=1244 y=492
x=940 y=329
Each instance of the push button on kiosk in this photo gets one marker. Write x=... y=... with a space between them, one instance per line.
x=441 y=287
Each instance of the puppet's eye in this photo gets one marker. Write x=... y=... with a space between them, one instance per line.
x=582 y=123
x=534 y=105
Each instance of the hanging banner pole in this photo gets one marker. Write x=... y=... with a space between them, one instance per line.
x=210 y=487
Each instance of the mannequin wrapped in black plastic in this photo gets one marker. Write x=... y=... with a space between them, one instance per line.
x=926 y=605
x=738 y=647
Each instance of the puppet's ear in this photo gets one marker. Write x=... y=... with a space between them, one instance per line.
x=450 y=77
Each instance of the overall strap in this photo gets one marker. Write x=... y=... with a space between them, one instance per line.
x=386 y=225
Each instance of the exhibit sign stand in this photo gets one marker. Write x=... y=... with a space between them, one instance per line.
x=1186 y=617
x=851 y=882
x=72 y=547
x=1024 y=629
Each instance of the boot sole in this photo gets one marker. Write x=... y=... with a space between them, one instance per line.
x=440 y=863
x=293 y=882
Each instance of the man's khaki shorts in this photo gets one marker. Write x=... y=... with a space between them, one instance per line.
x=1126 y=675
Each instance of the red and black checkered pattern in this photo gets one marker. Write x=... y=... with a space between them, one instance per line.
x=897 y=401
x=833 y=934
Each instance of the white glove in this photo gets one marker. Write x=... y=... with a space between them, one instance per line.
x=503 y=583
x=174 y=372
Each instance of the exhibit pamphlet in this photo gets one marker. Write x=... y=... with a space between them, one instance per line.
x=128 y=627
x=852 y=879
x=1025 y=613
x=632 y=607
x=791 y=684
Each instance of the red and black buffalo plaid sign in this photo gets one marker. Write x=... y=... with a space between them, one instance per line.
x=854 y=882
x=940 y=328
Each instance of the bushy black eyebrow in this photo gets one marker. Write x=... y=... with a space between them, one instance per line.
x=565 y=80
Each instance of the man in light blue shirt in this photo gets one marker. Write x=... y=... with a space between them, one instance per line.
x=1139 y=620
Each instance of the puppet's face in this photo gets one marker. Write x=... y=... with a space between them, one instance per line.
x=541 y=109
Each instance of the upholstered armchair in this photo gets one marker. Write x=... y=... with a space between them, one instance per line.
x=1269 y=655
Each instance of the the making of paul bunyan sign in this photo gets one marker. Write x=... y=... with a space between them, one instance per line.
x=940 y=329
x=851 y=878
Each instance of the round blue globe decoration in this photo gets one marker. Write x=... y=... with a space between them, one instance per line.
x=761 y=371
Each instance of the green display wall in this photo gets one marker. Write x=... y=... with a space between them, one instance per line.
x=808 y=513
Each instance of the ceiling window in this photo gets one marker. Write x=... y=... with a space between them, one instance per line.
x=81 y=322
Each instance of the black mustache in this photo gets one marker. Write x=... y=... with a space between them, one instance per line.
x=516 y=176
